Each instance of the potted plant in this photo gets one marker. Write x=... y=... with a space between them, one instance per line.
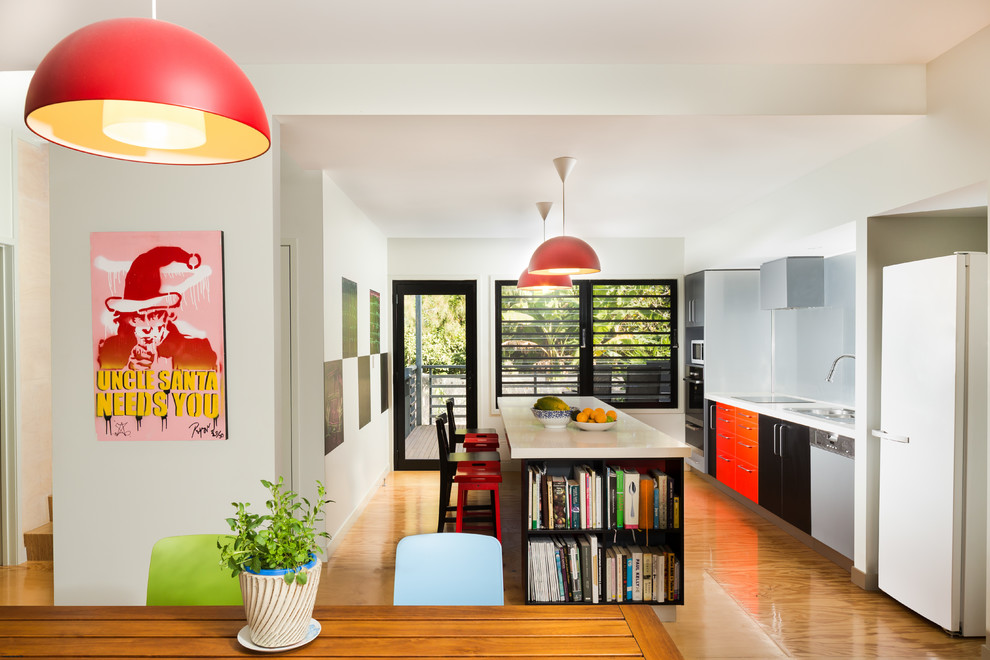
x=275 y=557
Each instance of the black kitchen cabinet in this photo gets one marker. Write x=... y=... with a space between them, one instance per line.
x=785 y=471
x=711 y=441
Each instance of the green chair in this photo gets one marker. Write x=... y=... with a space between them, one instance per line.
x=185 y=570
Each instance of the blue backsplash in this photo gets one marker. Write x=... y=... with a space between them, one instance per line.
x=806 y=341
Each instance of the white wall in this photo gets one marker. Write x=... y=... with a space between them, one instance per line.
x=300 y=222
x=488 y=260
x=354 y=248
x=33 y=315
x=113 y=500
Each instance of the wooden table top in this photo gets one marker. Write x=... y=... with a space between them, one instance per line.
x=520 y=631
x=630 y=438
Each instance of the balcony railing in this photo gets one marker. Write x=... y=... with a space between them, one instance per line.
x=425 y=392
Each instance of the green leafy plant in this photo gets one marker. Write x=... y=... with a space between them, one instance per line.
x=284 y=538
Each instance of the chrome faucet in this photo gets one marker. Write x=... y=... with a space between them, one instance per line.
x=828 y=378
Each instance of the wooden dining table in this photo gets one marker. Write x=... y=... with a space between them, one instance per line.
x=574 y=631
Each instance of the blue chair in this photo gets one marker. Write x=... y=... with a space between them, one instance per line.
x=186 y=570
x=423 y=573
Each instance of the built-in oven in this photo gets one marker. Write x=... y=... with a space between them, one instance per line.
x=694 y=416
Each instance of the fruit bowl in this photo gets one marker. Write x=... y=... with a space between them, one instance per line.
x=595 y=426
x=552 y=419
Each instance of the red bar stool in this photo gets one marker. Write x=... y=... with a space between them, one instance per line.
x=471 y=439
x=453 y=462
x=470 y=478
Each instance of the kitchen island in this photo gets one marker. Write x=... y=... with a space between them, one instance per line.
x=586 y=460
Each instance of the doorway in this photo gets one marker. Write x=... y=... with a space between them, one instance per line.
x=434 y=341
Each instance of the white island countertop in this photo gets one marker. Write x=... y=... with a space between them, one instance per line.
x=630 y=438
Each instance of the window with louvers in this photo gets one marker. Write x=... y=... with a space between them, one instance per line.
x=632 y=337
x=539 y=340
x=612 y=339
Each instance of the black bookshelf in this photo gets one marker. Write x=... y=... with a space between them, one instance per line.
x=670 y=538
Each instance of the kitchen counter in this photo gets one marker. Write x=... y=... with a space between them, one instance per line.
x=780 y=411
x=630 y=438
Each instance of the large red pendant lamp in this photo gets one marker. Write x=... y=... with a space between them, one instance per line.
x=564 y=255
x=145 y=90
x=544 y=283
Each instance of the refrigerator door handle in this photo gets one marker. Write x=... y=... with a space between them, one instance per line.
x=883 y=435
x=782 y=437
x=776 y=433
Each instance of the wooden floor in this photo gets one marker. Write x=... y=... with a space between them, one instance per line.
x=752 y=591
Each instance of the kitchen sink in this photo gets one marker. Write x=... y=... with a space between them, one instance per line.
x=844 y=415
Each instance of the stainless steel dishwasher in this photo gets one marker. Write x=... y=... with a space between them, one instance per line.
x=832 y=490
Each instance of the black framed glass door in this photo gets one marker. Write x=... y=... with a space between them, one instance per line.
x=434 y=341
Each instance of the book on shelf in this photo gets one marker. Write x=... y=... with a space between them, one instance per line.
x=636 y=574
x=547 y=496
x=631 y=481
x=573 y=504
x=610 y=491
x=574 y=570
x=599 y=516
x=627 y=577
x=594 y=567
x=584 y=496
x=620 y=498
x=671 y=563
x=659 y=575
x=647 y=574
x=559 y=502
x=584 y=545
x=646 y=488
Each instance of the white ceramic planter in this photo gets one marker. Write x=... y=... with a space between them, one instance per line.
x=278 y=614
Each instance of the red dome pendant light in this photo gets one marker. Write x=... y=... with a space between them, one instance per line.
x=564 y=255
x=543 y=283
x=144 y=90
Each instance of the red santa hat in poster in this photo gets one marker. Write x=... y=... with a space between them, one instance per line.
x=158 y=335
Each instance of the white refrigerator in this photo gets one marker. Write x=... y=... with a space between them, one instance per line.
x=933 y=440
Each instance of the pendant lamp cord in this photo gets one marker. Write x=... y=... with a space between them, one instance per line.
x=563 y=207
x=154 y=9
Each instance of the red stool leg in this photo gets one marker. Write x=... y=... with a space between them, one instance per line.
x=498 y=514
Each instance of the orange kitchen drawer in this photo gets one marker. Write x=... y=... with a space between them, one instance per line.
x=747 y=480
x=748 y=416
x=725 y=443
x=749 y=430
x=726 y=409
x=747 y=451
x=726 y=470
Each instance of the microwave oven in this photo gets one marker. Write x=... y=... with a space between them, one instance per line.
x=697 y=351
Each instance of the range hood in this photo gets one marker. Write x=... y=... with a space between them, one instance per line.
x=792 y=282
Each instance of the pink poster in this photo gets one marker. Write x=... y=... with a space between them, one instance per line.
x=158 y=335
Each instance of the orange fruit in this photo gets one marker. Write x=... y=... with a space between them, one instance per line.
x=581 y=417
x=600 y=416
x=588 y=411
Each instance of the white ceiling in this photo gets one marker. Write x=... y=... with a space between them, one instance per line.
x=481 y=175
